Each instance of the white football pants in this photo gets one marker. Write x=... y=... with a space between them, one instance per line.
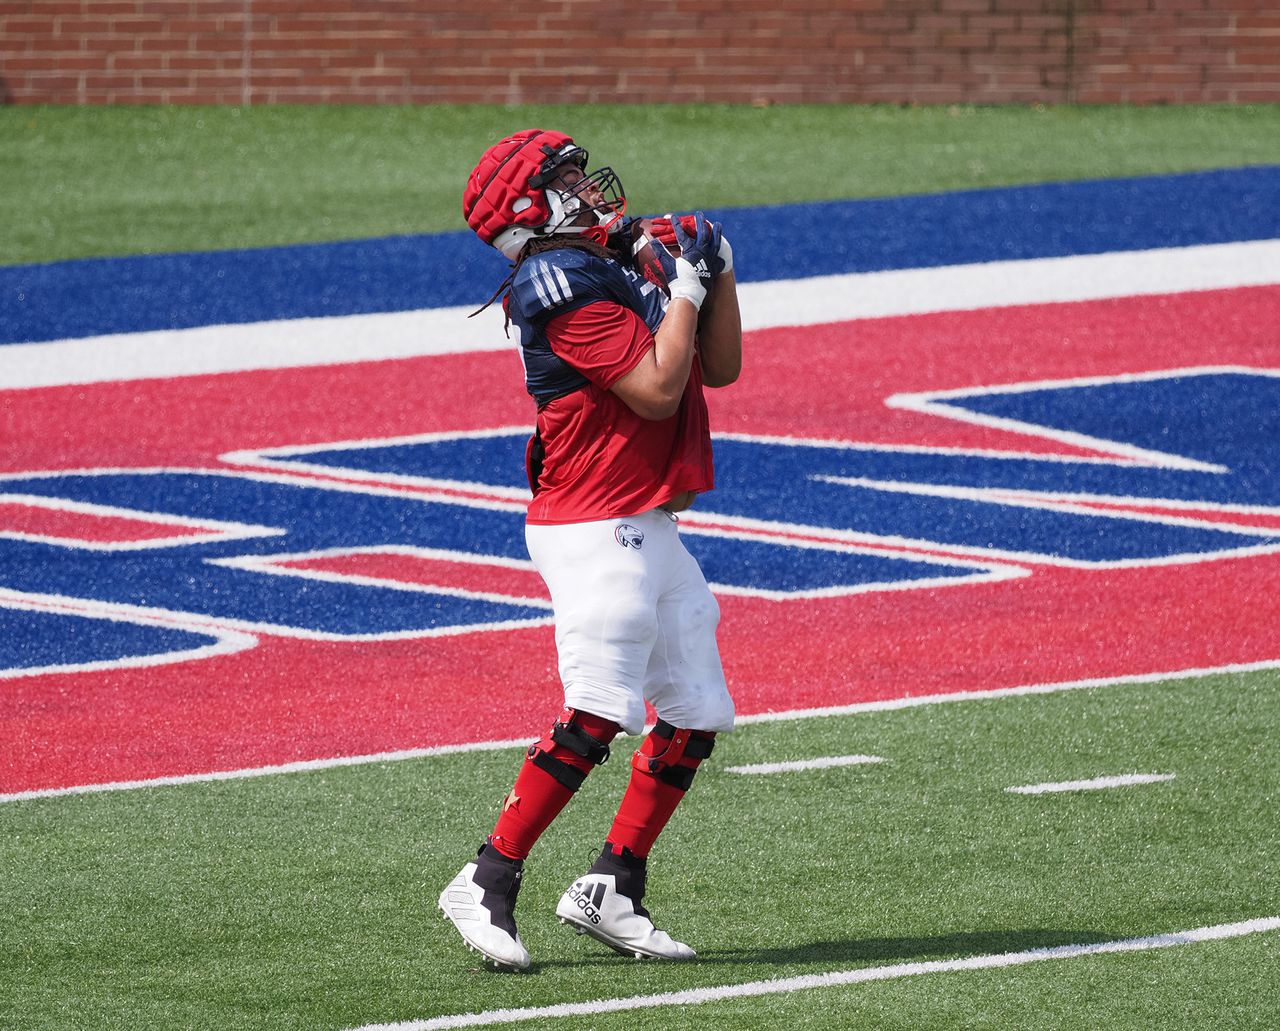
x=635 y=622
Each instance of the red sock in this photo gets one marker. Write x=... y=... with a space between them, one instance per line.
x=537 y=797
x=651 y=798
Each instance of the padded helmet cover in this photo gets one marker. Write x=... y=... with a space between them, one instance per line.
x=509 y=198
x=505 y=188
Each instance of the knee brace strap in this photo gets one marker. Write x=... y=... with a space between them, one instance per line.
x=678 y=761
x=560 y=752
x=568 y=734
x=697 y=744
x=570 y=776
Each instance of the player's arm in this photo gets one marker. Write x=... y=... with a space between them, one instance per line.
x=654 y=387
x=720 y=321
x=720 y=332
x=611 y=346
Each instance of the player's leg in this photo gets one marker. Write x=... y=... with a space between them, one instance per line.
x=685 y=682
x=605 y=624
x=481 y=900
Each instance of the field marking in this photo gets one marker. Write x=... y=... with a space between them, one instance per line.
x=911 y=701
x=938 y=402
x=294 y=343
x=884 y=705
x=834 y=979
x=1096 y=784
x=824 y=763
x=303 y=766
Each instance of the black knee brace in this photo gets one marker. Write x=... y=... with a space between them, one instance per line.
x=678 y=751
x=567 y=735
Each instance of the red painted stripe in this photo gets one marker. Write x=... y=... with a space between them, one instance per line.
x=398 y=568
x=88 y=527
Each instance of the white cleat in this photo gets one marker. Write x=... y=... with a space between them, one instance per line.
x=605 y=903
x=480 y=903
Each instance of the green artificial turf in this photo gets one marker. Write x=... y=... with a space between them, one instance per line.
x=308 y=900
x=88 y=181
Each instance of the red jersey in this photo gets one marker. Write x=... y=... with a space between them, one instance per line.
x=601 y=459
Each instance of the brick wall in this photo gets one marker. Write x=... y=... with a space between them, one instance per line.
x=744 y=51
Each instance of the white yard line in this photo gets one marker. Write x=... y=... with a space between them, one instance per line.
x=834 y=979
x=289 y=343
x=806 y=764
x=764 y=717
x=1096 y=784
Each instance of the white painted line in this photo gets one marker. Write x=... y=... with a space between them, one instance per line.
x=1096 y=784
x=806 y=764
x=996 y=693
x=290 y=343
x=834 y=979
x=760 y=717
x=276 y=344
x=1080 y=277
x=306 y=766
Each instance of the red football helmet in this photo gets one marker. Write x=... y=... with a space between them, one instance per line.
x=514 y=194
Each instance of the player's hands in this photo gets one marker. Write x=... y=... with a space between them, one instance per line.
x=663 y=230
x=697 y=264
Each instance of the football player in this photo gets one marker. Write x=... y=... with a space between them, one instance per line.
x=621 y=323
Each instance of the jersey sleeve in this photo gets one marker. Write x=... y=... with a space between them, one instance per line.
x=602 y=340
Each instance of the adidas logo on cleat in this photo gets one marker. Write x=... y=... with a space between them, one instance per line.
x=588 y=904
x=606 y=905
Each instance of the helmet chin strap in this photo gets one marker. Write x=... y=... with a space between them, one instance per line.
x=598 y=233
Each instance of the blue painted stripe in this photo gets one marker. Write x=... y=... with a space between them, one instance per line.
x=116 y=295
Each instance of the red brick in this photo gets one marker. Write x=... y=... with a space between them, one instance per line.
x=132 y=62
x=12 y=65
x=227 y=80
x=108 y=81
x=1266 y=56
x=188 y=26
x=1041 y=21
x=886 y=22
x=136 y=26
x=194 y=62
x=161 y=81
x=27 y=26
x=966 y=40
x=1265 y=23
x=1000 y=23
x=165 y=8
x=207 y=42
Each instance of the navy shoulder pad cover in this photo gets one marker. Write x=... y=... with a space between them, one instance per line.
x=563 y=280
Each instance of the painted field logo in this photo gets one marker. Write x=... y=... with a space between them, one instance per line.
x=422 y=536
